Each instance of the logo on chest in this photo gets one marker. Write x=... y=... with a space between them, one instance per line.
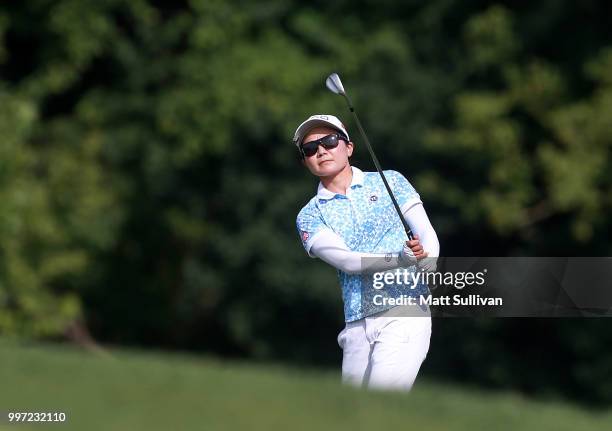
x=373 y=198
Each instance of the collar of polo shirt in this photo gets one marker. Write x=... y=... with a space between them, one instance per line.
x=323 y=193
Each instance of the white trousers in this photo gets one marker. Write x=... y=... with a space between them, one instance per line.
x=384 y=352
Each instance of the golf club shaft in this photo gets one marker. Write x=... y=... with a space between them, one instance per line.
x=378 y=168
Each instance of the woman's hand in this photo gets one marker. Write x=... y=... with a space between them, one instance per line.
x=416 y=248
x=428 y=265
x=412 y=252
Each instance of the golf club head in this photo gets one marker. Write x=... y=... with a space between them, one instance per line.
x=334 y=84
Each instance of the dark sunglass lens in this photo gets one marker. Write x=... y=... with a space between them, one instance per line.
x=310 y=148
x=330 y=141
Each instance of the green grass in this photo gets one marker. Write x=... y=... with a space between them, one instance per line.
x=146 y=391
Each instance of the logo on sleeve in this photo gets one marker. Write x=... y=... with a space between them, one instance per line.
x=305 y=236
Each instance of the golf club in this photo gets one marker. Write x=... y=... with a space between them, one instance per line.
x=334 y=84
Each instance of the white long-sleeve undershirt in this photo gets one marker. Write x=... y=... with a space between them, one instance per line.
x=331 y=248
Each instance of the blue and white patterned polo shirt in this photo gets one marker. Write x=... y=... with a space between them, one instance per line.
x=367 y=221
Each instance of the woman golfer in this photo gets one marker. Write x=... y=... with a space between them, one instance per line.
x=351 y=224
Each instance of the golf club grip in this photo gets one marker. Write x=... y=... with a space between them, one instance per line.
x=378 y=168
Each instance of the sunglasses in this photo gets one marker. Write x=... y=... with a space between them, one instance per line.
x=309 y=149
